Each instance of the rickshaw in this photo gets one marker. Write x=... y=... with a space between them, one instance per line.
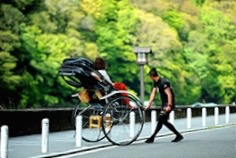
x=106 y=111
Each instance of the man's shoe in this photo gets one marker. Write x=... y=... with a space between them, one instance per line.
x=178 y=138
x=149 y=140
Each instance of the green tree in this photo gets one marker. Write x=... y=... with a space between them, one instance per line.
x=114 y=32
x=193 y=44
x=9 y=80
x=220 y=32
x=44 y=53
x=10 y=19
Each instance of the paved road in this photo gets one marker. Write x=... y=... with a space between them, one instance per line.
x=63 y=142
x=214 y=142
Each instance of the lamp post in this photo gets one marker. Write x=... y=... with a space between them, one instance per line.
x=142 y=59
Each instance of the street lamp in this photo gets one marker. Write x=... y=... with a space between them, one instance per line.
x=142 y=59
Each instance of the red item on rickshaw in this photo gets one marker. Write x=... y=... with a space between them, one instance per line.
x=122 y=86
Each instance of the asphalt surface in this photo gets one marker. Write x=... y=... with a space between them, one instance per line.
x=213 y=142
x=63 y=143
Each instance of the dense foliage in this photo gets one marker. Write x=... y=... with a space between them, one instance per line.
x=193 y=44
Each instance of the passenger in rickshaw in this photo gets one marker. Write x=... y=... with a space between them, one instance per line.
x=100 y=65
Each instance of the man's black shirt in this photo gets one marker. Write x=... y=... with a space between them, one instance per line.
x=161 y=85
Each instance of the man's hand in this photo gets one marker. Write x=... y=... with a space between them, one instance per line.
x=152 y=96
x=148 y=105
x=168 y=108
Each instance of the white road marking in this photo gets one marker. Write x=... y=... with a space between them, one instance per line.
x=87 y=152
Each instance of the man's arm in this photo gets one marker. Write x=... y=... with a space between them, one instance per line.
x=152 y=97
x=169 y=97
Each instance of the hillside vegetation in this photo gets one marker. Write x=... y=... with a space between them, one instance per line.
x=193 y=44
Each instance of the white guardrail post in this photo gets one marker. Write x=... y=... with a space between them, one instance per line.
x=4 y=141
x=204 y=115
x=45 y=133
x=227 y=112
x=153 y=120
x=189 y=117
x=172 y=117
x=216 y=112
x=132 y=123
x=79 y=131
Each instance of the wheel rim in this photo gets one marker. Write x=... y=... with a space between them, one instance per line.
x=120 y=131
x=93 y=134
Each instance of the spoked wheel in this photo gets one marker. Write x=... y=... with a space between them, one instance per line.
x=122 y=120
x=89 y=133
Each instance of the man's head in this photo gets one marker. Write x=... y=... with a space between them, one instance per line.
x=153 y=73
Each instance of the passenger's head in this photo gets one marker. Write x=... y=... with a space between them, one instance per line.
x=99 y=64
x=153 y=73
